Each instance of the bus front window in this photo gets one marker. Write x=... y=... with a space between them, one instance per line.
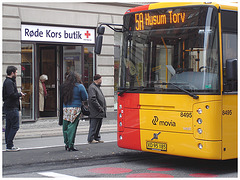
x=158 y=57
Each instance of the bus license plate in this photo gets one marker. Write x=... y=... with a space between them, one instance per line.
x=156 y=146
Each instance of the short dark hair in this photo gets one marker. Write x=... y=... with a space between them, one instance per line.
x=11 y=69
x=97 y=76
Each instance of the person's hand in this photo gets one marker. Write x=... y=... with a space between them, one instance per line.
x=101 y=110
x=23 y=94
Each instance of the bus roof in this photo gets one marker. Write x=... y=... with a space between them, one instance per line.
x=226 y=6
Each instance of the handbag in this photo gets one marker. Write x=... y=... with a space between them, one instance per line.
x=85 y=110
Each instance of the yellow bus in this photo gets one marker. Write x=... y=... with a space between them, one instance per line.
x=178 y=80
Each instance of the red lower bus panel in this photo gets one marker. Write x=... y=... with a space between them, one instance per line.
x=130 y=131
x=131 y=118
x=130 y=139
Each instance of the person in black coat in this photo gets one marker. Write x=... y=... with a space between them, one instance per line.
x=11 y=107
x=97 y=108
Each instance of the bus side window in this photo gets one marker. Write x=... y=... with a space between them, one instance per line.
x=230 y=50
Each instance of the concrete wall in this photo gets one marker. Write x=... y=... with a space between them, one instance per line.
x=83 y=14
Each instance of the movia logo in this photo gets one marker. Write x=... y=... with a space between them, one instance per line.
x=156 y=121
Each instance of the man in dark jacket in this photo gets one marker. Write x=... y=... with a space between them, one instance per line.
x=97 y=108
x=11 y=107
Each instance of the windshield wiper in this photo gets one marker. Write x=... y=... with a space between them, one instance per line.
x=125 y=90
x=184 y=90
x=164 y=83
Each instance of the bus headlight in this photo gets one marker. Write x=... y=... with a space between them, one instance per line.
x=120 y=123
x=199 y=121
x=200 y=146
x=120 y=137
x=120 y=106
x=199 y=130
x=120 y=115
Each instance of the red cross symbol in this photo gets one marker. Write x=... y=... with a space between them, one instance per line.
x=87 y=34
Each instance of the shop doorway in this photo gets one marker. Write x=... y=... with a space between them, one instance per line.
x=48 y=66
x=55 y=61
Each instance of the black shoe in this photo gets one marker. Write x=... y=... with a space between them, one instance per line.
x=66 y=147
x=72 y=149
x=13 y=149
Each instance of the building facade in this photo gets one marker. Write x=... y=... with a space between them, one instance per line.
x=54 y=39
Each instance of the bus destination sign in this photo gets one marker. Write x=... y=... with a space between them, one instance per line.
x=143 y=20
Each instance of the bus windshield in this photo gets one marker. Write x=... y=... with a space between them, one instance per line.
x=168 y=48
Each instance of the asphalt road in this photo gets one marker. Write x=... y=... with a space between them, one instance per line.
x=105 y=160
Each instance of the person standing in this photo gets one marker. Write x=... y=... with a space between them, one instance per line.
x=42 y=91
x=11 y=107
x=73 y=93
x=97 y=108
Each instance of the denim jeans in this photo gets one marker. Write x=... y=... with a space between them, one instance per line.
x=12 y=126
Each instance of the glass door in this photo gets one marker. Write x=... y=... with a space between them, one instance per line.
x=71 y=61
x=81 y=60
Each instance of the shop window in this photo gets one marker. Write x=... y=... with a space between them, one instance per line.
x=27 y=55
x=88 y=66
x=72 y=60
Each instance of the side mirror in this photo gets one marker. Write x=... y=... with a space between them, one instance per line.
x=100 y=30
x=231 y=75
x=98 y=44
x=231 y=69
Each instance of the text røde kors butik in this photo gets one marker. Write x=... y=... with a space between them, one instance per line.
x=53 y=34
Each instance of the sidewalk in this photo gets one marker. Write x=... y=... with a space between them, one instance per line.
x=48 y=127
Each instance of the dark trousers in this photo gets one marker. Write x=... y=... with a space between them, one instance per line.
x=94 y=128
x=12 y=126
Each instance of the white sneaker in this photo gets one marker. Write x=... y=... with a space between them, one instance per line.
x=13 y=149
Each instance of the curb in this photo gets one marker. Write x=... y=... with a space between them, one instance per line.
x=57 y=131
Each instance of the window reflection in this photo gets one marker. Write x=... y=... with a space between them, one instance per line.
x=161 y=55
x=27 y=81
x=71 y=60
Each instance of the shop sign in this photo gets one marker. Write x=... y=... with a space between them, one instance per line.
x=57 y=34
